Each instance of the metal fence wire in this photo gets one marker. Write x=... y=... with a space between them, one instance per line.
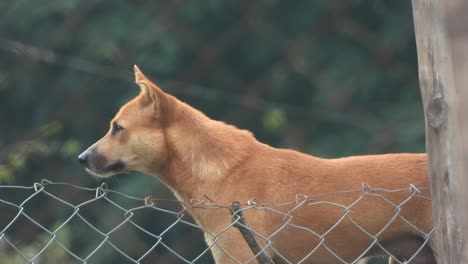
x=116 y=221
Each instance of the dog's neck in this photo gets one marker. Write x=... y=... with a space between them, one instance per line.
x=203 y=153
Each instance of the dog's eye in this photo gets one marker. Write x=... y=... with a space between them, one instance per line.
x=116 y=128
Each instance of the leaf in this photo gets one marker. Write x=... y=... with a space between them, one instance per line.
x=51 y=129
x=6 y=175
x=70 y=147
x=274 y=119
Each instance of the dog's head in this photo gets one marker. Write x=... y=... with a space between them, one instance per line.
x=135 y=140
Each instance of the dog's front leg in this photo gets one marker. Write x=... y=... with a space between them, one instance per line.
x=230 y=247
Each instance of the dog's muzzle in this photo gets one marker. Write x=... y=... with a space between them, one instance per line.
x=97 y=164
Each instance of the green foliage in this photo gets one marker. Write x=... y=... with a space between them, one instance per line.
x=51 y=129
x=53 y=253
x=70 y=148
x=6 y=175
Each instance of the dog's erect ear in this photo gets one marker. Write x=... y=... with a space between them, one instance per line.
x=145 y=84
x=150 y=92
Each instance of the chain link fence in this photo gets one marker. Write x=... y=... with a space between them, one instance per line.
x=111 y=223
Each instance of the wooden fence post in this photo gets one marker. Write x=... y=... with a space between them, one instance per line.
x=441 y=28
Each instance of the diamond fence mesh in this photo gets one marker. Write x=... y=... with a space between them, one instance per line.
x=107 y=225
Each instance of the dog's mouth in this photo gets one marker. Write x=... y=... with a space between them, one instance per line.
x=115 y=168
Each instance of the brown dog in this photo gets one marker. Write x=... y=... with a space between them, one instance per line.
x=196 y=156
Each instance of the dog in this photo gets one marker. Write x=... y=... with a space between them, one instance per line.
x=195 y=156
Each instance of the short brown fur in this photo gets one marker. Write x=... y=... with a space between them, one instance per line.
x=196 y=156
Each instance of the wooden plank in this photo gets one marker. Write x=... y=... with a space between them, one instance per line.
x=442 y=43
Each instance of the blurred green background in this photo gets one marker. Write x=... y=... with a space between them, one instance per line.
x=330 y=78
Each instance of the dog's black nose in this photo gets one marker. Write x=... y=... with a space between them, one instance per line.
x=83 y=157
